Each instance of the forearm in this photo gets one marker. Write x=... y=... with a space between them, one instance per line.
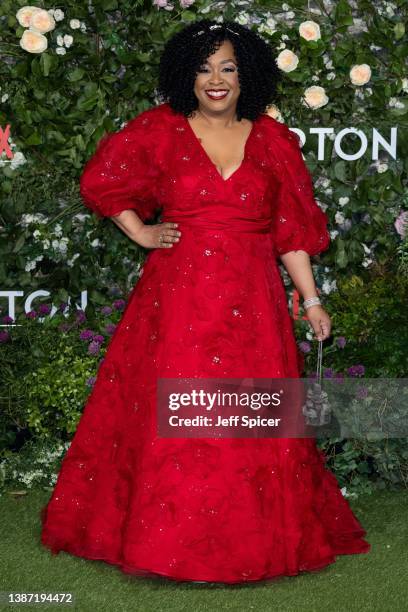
x=298 y=266
x=129 y=222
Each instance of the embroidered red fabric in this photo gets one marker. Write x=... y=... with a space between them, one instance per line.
x=213 y=305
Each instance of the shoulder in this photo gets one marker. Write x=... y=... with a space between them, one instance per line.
x=280 y=131
x=156 y=118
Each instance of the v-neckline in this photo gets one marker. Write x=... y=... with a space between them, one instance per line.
x=209 y=160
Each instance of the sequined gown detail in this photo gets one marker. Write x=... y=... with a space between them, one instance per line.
x=213 y=305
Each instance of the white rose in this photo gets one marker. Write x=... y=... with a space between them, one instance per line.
x=58 y=229
x=24 y=15
x=58 y=15
x=315 y=96
x=18 y=160
x=309 y=30
x=333 y=234
x=33 y=42
x=42 y=21
x=30 y=265
x=60 y=51
x=4 y=98
x=344 y=200
x=68 y=40
x=273 y=111
x=339 y=217
x=287 y=60
x=75 y=24
x=243 y=18
x=328 y=287
x=360 y=74
x=60 y=40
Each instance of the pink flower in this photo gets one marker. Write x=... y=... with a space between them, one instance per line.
x=110 y=328
x=4 y=336
x=160 y=3
x=305 y=347
x=86 y=334
x=94 y=348
x=401 y=223
x=186 y=3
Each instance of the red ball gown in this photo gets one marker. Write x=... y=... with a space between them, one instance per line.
x=213 y=305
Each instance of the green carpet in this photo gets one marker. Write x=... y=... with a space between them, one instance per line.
x=376 y=581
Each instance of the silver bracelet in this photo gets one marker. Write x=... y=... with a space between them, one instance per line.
x=313 y=301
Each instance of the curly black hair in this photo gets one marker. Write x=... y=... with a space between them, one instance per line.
x=188 y=49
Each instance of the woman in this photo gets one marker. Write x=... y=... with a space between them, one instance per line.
x=235 y=194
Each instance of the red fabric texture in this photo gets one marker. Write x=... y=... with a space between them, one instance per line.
x=212 y=306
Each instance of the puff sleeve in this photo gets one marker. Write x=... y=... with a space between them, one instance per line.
x=298 y=223
x=122 y=173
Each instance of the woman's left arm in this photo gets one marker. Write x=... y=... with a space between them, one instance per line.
x=297 y=264
x=299 y=226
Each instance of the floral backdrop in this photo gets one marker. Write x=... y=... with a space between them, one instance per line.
x=72 y=71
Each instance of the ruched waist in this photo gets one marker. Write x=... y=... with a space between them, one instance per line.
x=257 y=226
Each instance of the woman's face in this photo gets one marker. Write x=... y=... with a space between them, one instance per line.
x=216 y=85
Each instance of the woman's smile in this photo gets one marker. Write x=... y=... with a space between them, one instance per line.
x=216 y=94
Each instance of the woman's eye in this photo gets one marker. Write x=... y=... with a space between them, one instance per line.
x=228 y=68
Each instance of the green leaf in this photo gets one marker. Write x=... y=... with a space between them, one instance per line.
x=75 y=75
x=109 y=5
x=19 y=244
x=343 y=14
x=97 y=297
x=7 y=186
x=399 y=30
x=34 y=139
x=188 y=16
x=85 y=103
x=45 y=63
x=340 y=171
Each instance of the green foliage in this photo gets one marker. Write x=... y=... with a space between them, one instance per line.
x=363 y=466
x=368 y=313
x=36 y=465
x=59 y=105
x=57 y=392
x=47 y=370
